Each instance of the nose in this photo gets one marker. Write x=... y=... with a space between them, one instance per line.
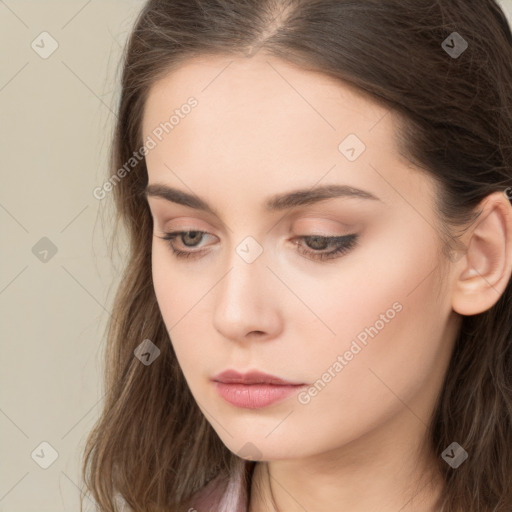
x=247 y=301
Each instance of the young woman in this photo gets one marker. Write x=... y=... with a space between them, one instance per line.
x=316 y=309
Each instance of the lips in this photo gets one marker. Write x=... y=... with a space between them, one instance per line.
x=253 y=390
x=252 y=377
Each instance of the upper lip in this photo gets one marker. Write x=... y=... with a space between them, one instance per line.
x=252 y=377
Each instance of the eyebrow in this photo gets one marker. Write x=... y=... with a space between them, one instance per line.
x=278 y=202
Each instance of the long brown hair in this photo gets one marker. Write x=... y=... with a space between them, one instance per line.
x=151 y=445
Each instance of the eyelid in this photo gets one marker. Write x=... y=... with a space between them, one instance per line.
x=183 y=224
x=316 y=225
x=298 y=225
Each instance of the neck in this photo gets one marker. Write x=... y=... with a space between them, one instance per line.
x=374 y=472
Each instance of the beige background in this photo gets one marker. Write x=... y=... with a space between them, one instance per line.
x=56 y=121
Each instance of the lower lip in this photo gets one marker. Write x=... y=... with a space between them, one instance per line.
x=254 y=396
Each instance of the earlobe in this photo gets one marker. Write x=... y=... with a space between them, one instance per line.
x=482 y=275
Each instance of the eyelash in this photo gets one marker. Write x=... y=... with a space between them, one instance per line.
x=343 y=245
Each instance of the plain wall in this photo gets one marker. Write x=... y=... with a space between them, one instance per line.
x=56 y=122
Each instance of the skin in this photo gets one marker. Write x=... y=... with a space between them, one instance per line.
x=263 y=127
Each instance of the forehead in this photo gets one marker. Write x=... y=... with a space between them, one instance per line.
x=243 y=91
x=264 y=123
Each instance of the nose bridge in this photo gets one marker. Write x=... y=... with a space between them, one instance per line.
x=245 y=301
x=244 y=283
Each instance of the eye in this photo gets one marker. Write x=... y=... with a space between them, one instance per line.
x=194 y=236
x=342 y=244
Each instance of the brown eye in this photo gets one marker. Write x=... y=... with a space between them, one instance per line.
x=342 y=244
x=188 y=239
x=316 y=244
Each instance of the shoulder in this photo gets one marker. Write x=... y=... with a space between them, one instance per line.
x=209 y=497
x=223 y=493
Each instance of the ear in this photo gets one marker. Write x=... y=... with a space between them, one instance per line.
x=483 y=273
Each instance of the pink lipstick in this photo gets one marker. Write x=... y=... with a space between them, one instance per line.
x=254 y=389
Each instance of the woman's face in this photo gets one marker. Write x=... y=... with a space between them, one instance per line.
x=368 y=330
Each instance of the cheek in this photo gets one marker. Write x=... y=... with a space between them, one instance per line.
x=386 y=284
x=177 y=287
x=176 y=295
x=165 y=283
x=389 y=327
